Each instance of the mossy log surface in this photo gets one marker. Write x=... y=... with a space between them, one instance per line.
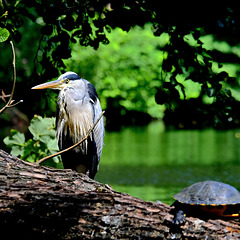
x=38 y=202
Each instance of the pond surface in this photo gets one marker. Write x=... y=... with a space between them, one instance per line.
x=153 y=164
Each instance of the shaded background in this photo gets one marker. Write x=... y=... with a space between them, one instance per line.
x=168 y=78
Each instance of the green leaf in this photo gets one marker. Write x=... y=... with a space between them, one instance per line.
x=57 y=159
x=32 y=158
x=30 y=148
x=4 y=34
x=16 y=141
x=17 y=138
x=52 y=145
x=42 y=129
x=17 y=151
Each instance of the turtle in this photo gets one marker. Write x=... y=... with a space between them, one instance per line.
x=208 y=196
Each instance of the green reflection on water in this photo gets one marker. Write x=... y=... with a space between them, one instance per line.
x=153 y=164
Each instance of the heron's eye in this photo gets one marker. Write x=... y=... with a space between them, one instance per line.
x=67 y=80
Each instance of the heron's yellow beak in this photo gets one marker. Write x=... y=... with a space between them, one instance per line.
x=52 y=84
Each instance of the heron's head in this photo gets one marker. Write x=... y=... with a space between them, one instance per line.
x=65 y=80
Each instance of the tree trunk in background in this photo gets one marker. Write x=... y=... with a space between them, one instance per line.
x=42 y=203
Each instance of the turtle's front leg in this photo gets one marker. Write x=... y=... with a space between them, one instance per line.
x=179 y=217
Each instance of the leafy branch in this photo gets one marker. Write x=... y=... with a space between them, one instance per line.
x=43 y=141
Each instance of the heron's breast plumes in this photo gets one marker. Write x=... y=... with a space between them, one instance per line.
x=80 y=123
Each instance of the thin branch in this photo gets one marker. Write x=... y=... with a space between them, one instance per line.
x=4 y=96
x=10 y=101
x=36 y=55
x=14 y=73
x=73 y=146
x=16 y=103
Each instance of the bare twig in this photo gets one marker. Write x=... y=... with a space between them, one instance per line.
x=5 y=96
x=36 y=55
x=73 y=146
x=13 y=103
x=10 y=102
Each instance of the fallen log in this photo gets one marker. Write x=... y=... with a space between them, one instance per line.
x=38 y=202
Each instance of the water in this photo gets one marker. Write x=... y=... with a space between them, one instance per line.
x=153 y=164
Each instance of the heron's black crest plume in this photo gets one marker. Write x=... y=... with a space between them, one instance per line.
x=73 y=77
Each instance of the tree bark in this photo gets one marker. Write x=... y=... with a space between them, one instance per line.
x=38 y=202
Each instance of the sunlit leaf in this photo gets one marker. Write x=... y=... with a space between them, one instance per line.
x=16 y=138
x=52 y=145
x=32 y=158
x=42 y=129
x=17 y=150
x=4 y=34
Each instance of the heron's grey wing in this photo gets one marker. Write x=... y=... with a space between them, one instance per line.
x=98 y=131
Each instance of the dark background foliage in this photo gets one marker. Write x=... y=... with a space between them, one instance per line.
x=48 y=29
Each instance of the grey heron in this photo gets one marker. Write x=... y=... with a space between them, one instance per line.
x=78 y=107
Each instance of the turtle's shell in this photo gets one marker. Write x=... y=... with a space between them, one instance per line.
x=209 y=193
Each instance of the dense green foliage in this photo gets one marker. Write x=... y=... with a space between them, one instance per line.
x=42 y=143
x=49 y=31
x=127 y=71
